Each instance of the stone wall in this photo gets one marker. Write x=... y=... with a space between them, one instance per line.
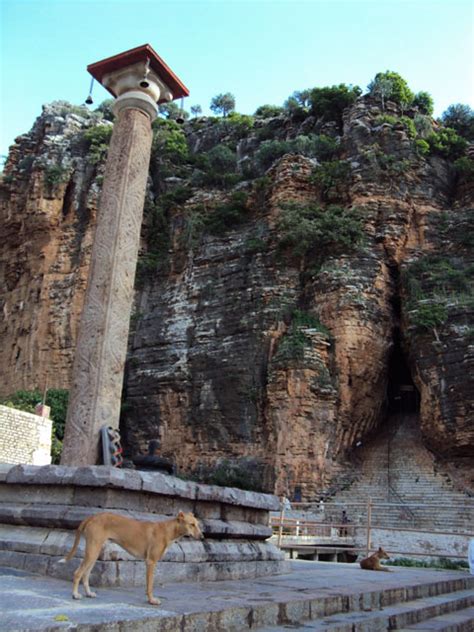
x=24 y=438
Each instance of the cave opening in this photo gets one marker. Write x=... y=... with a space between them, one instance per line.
x=68 y=202
x=402 y=395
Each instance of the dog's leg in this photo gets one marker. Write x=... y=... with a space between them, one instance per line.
x=150 y=575
x=77 y=578
x=90 y=556
x=85 y=582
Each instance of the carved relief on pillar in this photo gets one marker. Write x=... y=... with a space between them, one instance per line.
x=102 y=342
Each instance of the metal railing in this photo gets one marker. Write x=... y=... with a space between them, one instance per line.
x=358 y=536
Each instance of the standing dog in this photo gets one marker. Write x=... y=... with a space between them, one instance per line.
x=145 y=540
x=372 y=563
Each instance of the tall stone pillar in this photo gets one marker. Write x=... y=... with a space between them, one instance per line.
x=103 y=332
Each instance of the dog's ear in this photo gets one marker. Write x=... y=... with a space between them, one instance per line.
x=181 y=516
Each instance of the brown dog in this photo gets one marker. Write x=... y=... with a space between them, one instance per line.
x=145 y=540
x=372 y=563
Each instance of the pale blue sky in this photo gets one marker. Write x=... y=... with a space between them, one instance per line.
x=260 y=50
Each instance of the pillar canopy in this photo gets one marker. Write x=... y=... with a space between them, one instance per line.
x=137 y=77
x=139 y=69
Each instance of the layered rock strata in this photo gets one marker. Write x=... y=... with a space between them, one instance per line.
x=207 y=371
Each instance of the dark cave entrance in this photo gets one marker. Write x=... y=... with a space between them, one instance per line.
x=402 y=395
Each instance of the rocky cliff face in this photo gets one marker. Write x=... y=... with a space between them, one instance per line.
x=48 y=206
x=296 y=285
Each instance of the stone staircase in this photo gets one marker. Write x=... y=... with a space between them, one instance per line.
x=400 y=476
x=312 y=596
x=430 y=608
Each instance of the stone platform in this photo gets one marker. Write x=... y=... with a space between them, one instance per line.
x=311 y=596
x=40 y=507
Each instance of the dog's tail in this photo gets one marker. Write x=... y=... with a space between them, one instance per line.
x=79 y=531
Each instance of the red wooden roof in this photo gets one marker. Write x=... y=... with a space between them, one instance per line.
x=133 y=56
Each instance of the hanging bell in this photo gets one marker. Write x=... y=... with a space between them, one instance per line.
x=144 y=83
x=89 y=100
x=180 y=117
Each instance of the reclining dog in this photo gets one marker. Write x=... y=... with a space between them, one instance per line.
x=144 y=540
x=372 y=563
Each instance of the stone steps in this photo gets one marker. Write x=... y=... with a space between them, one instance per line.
x=396 y=467
x=452 y=612
x=40 y=508
x=336 y=597
x=459 y=621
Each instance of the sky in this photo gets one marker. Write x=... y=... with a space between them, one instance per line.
x=259 y=50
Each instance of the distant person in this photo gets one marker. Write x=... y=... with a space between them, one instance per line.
x=344 y=521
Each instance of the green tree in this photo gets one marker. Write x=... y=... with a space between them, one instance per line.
x=424 y=102
x=217 y=167
x=222 y=158
x=302 y=97
x=169 y=142
x=331 y=175
x=196 y=110
x=297 y=104
x=446 y=142
x=172 y=111
x=105 y=108
x=315 y=233
x=460 y=118
x=98 y=140
x=382 y=88
x=268 y=111
x=223 y=104
x=390 y=85
x=330 y=102
x=423 y=124
x=271 y=150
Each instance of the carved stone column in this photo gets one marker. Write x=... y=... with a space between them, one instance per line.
x=136 y=77
x=102 y=343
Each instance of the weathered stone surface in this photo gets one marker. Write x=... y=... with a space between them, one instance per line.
x=69 y=517
x=203 y=373
x=48 y=216
x=164 y=484
x=101 y=346
x=38 y=522
x=29 y=602
x=62 y=478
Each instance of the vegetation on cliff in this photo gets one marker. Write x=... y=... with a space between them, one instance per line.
x=280 y=251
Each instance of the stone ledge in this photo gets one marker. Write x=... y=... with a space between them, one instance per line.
x=132 y=573
x=68 y=517
x=56 y=542
x=154 y=482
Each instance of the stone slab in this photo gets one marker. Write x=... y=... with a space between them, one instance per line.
x=69 y=517
x=154 y=482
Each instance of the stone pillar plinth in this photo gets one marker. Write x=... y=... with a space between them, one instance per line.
x=102 y=342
